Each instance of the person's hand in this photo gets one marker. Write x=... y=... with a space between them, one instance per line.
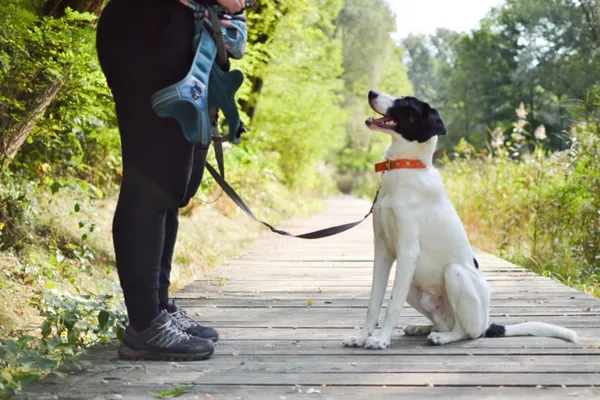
x=233 y=6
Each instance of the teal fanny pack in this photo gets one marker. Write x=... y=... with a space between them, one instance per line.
x=206 y=84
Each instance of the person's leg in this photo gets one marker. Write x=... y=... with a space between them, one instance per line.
x=186 y=323
x=144 y=46
x=172 y=225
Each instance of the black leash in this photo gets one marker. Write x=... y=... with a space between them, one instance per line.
x=322 y=233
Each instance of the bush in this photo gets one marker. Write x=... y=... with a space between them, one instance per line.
x=71 y=325
x=534 y=207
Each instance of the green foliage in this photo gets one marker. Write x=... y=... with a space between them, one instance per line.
x=544 y=53
x=299 y=120
x=538 y=208
x=38 y=55
x=71 y=325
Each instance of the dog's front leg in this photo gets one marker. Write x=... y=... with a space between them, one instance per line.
x=406 y=265
x=381 y=273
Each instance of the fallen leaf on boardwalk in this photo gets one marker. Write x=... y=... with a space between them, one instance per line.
x=587 y=309
x=390 y=281
x=329 y=302
x=223 y=333
x=171 y=393
x=429 y=384
x=197 y=314
x=208 y=395
x=310 y=303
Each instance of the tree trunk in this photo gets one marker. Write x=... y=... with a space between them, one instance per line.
x=14 y=135
x=17 y=134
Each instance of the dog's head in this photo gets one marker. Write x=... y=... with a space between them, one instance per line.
x=409 y=117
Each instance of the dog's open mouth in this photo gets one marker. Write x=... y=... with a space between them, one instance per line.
x=384 y=122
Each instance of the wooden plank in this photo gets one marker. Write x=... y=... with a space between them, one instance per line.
x=582 y=304
x=343 y=314
x=277 y=392
x=388 y=364
x=208 y=376
x=232 y=331
x=544 y=296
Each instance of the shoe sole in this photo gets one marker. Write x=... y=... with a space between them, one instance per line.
x=126 y=353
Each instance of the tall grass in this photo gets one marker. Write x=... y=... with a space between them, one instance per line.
x=537 y=208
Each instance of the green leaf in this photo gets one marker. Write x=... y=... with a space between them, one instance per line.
x=29 y=379
x=103 y=317
x=171 y=393
x=77 y=207
x=56 y=186
x=120 y=332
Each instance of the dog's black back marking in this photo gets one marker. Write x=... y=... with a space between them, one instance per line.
x=495 y=331
x=476 y=263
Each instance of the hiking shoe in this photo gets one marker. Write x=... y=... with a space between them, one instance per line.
x=164 y=341
x=189 y=325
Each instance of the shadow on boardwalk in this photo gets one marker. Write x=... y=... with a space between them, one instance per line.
x=284 y=307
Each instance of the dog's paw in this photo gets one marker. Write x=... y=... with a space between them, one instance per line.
x=377 y=343
x=355 y=341
x=417 y=330
x=440 y=338
x=435 y=338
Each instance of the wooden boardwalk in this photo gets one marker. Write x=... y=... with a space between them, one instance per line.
x=284 y=307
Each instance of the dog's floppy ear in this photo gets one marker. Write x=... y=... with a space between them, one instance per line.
x=431 y=125
x=425 y=112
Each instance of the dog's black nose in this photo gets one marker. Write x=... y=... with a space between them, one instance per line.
x=373 y=95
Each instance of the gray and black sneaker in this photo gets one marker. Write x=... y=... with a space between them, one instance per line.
x=164 y=341
x=189 y=325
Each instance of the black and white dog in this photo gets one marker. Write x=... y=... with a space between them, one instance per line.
x=416 y=225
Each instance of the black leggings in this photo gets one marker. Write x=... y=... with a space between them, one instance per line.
x=143 y=46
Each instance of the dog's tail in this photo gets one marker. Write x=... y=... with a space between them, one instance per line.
x=540 y=329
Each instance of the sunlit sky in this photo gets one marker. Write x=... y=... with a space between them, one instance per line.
x=425 y=16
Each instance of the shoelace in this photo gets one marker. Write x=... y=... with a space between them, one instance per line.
x=182 y=320
x=169 y=334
